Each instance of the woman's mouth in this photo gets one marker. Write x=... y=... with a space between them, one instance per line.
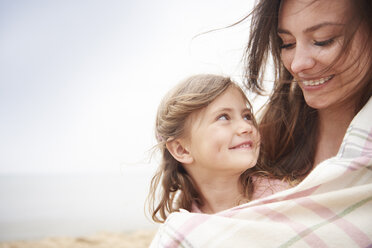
x=316 y=82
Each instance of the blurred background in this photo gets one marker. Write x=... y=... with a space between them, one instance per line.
x=80 y=82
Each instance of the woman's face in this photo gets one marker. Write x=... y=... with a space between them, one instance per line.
x=312 y=38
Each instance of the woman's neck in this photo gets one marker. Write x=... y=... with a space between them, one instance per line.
x=220 y=194
x=333 y=124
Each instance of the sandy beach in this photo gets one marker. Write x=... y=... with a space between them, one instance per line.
x=136 y=239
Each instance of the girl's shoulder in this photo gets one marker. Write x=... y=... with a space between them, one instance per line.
x=195 y=208
x=264 y=186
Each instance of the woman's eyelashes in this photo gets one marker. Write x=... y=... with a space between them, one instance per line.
x=323 y=43
x=287 y=46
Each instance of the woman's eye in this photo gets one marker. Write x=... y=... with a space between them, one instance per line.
x=287 y=46
x=223 y=117
x=324 y=43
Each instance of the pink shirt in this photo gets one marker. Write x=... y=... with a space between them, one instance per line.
x=195 y=208
x=264 y=187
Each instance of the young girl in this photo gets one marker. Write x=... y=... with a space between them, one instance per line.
x=208 y=139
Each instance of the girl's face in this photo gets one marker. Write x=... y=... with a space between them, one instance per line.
x=222 y=137
x=312 y=38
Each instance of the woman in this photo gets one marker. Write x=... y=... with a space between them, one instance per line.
x=316 y=134
x=322 y=53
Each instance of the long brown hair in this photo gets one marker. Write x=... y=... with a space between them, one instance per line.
x=289 y=126
x=176 y=187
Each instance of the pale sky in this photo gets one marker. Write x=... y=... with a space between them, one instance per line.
x=80 y=80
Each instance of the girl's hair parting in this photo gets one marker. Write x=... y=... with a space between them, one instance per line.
x=177 y=188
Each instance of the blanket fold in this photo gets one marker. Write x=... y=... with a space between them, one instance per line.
x=331 y=207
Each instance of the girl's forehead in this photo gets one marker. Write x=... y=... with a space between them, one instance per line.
x=206 y=115
x=232 y=97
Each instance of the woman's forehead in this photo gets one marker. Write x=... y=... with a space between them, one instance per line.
x=296 y=12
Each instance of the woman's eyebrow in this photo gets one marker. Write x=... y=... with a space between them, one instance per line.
x=320 y=25
x=312 y=28
x=283 y=31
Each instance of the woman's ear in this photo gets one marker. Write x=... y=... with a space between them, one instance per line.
x=179 y=151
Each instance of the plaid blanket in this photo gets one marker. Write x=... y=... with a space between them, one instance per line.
x=331 y=207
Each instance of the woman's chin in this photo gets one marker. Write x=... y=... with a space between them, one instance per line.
x=316 y=102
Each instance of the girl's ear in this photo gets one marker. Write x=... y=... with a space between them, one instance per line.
x=179 y=152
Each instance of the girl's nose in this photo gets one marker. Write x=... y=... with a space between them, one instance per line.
x=244 y=127
x=303 y=59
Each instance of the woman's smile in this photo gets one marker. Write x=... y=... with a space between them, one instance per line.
x=316 y=82
x=312 y=51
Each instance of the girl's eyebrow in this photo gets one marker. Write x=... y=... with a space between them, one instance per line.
x=312 y=28
x=222 y=110
x=230 y=110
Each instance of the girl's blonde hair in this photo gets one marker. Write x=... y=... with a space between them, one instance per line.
x=177 y=188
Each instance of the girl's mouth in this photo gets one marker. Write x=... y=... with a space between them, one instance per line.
x=317 y=82
x=245 y=145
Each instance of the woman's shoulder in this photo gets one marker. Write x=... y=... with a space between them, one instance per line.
x=264 y=186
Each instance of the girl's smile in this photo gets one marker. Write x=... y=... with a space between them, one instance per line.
x=222 y=138
x=245 y=145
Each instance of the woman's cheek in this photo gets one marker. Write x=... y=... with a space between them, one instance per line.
x=286 y=57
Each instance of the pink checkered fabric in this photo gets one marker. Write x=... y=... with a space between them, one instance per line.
x=332 y=207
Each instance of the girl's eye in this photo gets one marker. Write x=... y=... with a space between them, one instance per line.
x=223 y=117
x=287 y=46
x=324 y=43
x=247 y=117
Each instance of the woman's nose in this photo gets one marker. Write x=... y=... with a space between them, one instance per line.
x=303 y=59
